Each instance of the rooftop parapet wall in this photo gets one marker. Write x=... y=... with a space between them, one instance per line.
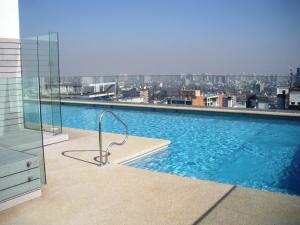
x=178 y=108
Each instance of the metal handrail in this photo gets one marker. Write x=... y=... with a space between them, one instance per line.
x=107 y=151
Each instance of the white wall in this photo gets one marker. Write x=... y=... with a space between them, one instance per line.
x=294 y=97
x=281 y=89
x=9 y=19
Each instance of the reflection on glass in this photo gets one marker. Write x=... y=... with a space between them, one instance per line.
x=40 y=59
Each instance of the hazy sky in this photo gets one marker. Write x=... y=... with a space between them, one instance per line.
x=169 y=36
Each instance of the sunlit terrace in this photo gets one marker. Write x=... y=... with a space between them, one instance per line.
x=132 y=147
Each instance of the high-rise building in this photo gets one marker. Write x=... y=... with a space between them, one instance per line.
x=141 y=81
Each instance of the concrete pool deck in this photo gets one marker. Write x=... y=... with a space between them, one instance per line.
x=88 y=140
x=82 y=193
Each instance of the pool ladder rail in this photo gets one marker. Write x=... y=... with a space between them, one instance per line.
x=103 y=154
x=102 y=158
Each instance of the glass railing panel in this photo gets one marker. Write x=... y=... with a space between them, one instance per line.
x=20 y=120
x=40 y=59
x=55 y=82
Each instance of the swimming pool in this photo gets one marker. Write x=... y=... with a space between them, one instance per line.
x=241 y=150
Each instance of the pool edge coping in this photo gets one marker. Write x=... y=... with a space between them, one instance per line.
x=136 y=156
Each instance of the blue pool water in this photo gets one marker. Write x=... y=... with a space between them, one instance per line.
x=245 y=151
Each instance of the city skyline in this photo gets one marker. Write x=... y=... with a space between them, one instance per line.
x=169 y=37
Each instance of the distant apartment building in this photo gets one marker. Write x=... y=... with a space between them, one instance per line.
x=199 y=101
x=134 y=96
x=185 y=97
x=258 y=87
x=229 y=101
x=241 y=102
x=189 y=93
x=179 y=101
x=257 y=102
x=294 y=98
x=282 y=97
x=145 y=95
x=214 y=100
x=294 y=93
x=194 y=98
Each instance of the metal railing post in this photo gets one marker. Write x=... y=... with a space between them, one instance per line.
x=100 y=144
